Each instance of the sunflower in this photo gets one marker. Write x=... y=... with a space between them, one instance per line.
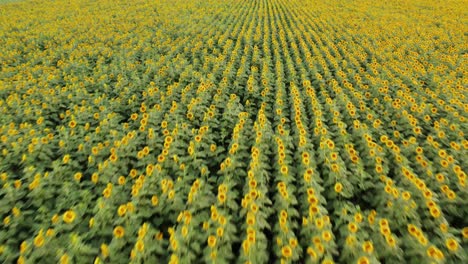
x=122 y=210
x=368 y=247
x=363 y=260
x=352 y=227
x=451 y=244
x=119 y=231
x=286 y=251
x=338 y=187
x=327 y=236
x=211 y=241
x=66 y=159
x=140 y=246
x=69 y=216
x=39 y=240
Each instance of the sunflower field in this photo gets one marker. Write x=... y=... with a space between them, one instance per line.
x=233 y=131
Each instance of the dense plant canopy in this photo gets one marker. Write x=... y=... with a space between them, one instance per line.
x=233 y=131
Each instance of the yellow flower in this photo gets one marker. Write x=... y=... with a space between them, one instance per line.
x=422 y=239
x=390 y=240
x=327 y=236
x=413 y=230
x=251 y=236
x=23 y=247
x=379 y=168
x=465 y=232
x=279 y=242
x=91 y=222
x=406 y=195
x=171 y=194
x=363 y=260
x=358 y=217
x=119 y=231
x=154 y=200
x=338 y=187
x=78 y=176
x=122 y=210
x=451 y=195
x=284 y=169
x=286 y=251
x=443 y=227
x=434 y=252
x=107 y=192
x=221 y=198
x=211 y=241
x=184 y=231
x=222 y=220
x=159 y=236
x=39 y=240
x=64 y=259
x=50 y=232
x=104 y=250
x=113 y=158
x=352 y=227
x=95 y=177
x=130 y=207
x=174 y=259
x=20 y=260
x=95 y=150
x=335 y=168
x=69 y=216
x=311 y=252
x=133 y=173
x=15 y=211
x=451 y=244
x=350 y=240
x=385 y=230
x=6 y=220
x=250 y=219
x=17 y=184
x=140 y=246
x=121 y=180
x=55 y=218
x=219 y=231
x=319 y=223
x=368 y=247
x=371 y=219
x=245 y=246
x=435 y=212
